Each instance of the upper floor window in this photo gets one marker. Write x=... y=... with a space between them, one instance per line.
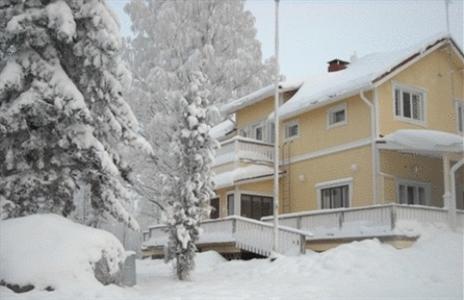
x=410 y=104
x=292 y=130
x=337 y=116
x=460 y=116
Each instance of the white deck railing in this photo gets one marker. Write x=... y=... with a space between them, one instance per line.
x=247 y=234
x=244 y=148
x=364 y=221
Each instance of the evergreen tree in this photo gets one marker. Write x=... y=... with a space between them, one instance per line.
x=62 y=115
x=189 y=200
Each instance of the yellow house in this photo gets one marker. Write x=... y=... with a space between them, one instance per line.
x=384 y=128
x=365 y=148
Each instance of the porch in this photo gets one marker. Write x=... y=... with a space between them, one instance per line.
x=396 y=224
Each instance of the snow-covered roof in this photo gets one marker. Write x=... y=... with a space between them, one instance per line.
x=258 y=95
x=423 y=141
x=226 y=179
x=361 y=74
x=222 y=129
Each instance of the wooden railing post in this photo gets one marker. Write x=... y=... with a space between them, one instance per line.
x=393 y=217
x=298 y=223
x=341 y=218
x=302 y=244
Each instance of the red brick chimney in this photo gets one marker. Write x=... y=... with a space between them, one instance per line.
x=337 y=65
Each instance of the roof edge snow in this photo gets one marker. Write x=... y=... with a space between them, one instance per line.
x=258 y=96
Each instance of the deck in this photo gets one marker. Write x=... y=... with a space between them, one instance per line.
x=397 y=224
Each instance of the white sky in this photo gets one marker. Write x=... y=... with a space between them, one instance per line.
x=313 y=32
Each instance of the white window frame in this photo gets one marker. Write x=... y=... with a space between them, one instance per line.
x=287 y=126
x=331 y=111
x=459 y=104
x=411 y=90
x=263 y=131
x=408 y=182
x=331 y=184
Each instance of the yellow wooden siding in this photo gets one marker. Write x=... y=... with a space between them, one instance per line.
x=254 y=113
x=432 y=73
x=222 y=194
x=314 y=134
x=306 y=174
x=415 y=168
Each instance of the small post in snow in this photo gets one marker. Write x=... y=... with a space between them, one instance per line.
x=276 y=135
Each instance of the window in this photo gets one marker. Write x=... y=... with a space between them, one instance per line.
x=337 y=116
x=460 y=116
x=411 y=192
x=291 y=130
x=258 y=131
x=255 y=206
x=230 y=204
x=410 y=104
x=214 y=214
x=335 y=197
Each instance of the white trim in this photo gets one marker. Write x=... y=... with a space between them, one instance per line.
x=409 y=182
x=334 y=109
x=331 y=184
x=330 y=150
x=256 y=193
x=459 y=103
x=289 y=124
x=410 y=89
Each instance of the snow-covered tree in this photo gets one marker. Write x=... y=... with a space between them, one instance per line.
x=166 y=35
x=62 y=115
x=189 y=194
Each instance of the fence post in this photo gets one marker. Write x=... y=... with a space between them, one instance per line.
x=393 y=217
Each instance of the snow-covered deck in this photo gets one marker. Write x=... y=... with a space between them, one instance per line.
x=298 y=230
x=246 y=234
x=368 y=221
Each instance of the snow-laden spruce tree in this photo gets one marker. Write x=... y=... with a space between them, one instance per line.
x=189 y=194
x=62 y=114
x=165 y=35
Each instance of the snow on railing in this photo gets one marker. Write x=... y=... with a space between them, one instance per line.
x=240 y=147
x=364 y=221
x=247 y=234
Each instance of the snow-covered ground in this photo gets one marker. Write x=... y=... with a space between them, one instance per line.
x=430 y=269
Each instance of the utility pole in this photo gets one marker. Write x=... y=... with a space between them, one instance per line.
x=275 y=242
x=447 y=3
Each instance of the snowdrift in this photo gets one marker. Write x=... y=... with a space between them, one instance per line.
x=49 y=252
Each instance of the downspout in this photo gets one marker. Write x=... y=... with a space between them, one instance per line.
x=373 y=145
x=452 y=204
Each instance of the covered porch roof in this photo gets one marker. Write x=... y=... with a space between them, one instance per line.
x=422 y=141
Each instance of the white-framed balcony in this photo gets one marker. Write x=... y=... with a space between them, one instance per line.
x=244 y=149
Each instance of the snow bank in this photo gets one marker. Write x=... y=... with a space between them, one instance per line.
x=51 y=251
x=430 y=269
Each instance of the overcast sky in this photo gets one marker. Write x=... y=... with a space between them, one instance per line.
x=313 y=32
